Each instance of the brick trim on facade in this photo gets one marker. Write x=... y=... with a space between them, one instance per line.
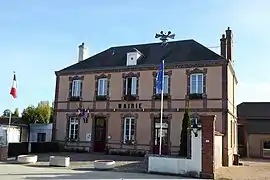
x=208 y=144
x=196 y=70
x=128 y=75
x=166 y=118
x=123 y=117
x=3 y=153
x=106 y=116
x=166 y=96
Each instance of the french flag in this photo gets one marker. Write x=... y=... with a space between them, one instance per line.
x=13 y=91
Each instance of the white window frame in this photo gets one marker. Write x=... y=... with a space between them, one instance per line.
x=73 y=121
x=128 y=122
x=103 y=87
x=76 y=88
x=165 y=90
x=133 y=86
x=197 y=83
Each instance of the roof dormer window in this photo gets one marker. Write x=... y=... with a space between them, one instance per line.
x=132 y=58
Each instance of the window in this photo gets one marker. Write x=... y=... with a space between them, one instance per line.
x=102 y=87
x=129 y=130
x=196 y=83
x=266 y=145
x=73 y=133
x=41 y=137
x=76 y=88
x=165 y=85
x=131 y=86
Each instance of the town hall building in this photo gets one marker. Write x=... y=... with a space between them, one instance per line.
x=110 y=101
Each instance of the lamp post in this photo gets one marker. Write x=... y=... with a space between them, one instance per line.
x=84 y=113
x=195 y=125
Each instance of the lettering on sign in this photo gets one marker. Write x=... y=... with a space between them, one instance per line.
x=130 y=106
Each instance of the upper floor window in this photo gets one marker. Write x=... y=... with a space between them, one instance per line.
x=129 y=130
x=165 y=85
x=131 y=86
x=103 y=87
x=73 y=131
x=196 y=83
x=76 y=88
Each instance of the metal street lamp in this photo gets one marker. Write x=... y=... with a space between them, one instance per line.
x=195 y=125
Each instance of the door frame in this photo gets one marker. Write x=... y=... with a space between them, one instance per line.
x=93 y=117
x=166 y=118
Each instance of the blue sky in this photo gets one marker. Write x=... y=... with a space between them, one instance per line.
x=39 y=37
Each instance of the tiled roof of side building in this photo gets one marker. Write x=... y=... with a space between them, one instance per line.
x=254 y=110
x=14 y=121
x=153 y=54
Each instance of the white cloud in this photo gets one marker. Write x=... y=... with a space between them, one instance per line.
x=253 y=92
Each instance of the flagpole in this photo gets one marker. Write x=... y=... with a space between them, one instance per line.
x=10 y=112
x=161 y=110
x=9 y=122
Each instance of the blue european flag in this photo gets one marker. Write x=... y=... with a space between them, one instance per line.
x=160 y=78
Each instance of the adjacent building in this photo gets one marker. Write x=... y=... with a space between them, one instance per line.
x=116 y=91
x=18 y=130
x=253 y=129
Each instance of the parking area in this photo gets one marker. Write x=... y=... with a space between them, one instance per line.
x=255 y=169
x=82 y=163
x=81 y=167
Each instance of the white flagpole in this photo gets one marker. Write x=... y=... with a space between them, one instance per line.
x=9 y=122
x=161 y=111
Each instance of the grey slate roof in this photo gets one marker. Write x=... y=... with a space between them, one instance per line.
x=153 y=54
x=254 y=110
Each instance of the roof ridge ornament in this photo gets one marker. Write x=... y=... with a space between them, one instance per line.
x=165 y=37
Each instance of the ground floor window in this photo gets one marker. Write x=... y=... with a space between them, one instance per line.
x=266 y=148
x=266 y=145
x=73 y=132
x=129 y=130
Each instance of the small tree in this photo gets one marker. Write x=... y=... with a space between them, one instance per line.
x=16 y=113
x=43 y=111
x=29 y=115
x=6 y=113
x=184 y=133
x=39 y=114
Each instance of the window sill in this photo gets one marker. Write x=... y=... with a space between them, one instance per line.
x=101 y=98
x=158 y=96
x=128 y=143
x=73 y=140
x=196 y=96
x=130 y=97
x=75 y=98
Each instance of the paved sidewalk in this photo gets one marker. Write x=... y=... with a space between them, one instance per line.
x=252 y=169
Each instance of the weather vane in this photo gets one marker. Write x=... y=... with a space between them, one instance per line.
x=164 y=37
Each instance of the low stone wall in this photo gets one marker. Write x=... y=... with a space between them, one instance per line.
x=174 y=165
x=3 y=153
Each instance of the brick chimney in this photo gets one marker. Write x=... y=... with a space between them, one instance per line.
x=223 y=46
x=229 y=38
